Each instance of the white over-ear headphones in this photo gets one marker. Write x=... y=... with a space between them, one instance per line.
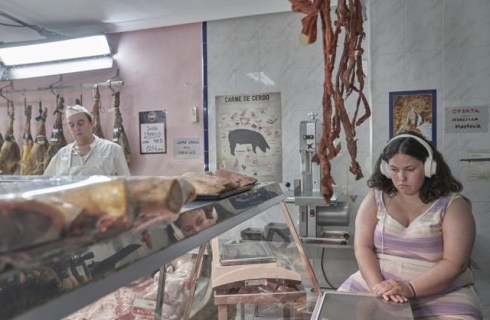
x=179 y=235
x=429 y=165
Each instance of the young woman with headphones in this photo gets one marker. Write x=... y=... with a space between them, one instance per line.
x=414 y=234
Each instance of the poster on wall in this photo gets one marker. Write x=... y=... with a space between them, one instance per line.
x=152 y=132
x=248 y=135
x=414 y=111
x=467 y=119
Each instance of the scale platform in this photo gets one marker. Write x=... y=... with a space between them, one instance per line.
x=335 y=305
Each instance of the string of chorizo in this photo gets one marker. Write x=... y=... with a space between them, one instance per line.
x=348 y=79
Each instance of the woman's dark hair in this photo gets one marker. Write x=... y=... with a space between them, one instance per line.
x=440 y=184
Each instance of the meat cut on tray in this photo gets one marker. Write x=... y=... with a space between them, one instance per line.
x=217 y=182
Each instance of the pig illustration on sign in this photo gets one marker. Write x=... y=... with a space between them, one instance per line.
x=245 y=136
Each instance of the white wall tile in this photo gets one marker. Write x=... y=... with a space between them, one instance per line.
x=424 y=25
x=466 y=23
x=424 y=70
x=388 y=25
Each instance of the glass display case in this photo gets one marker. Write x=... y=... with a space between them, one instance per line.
x=232 y=254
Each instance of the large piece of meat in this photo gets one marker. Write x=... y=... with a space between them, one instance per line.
x=119 y=136
x=239 y=179
x=207 y=183
x=97 y=128
x=160 y=197
x=25 y=223
x=27 y=143
x=218 y=181
x=57 y=140
x=94 y=206
x=43 y=215
x=10 y=151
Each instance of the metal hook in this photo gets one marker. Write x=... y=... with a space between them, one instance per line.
x=110 y=87
x=10 y=108
x=51 y=87
x=1 y=95
x=114 y=79
x=40 y=106
x=1 y=91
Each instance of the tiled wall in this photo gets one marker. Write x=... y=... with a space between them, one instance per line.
x=410 y=45
x=442 y=45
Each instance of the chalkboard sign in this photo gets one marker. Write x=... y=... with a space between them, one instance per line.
x=152 y=132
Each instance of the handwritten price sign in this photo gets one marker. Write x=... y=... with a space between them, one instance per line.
x=152 y=132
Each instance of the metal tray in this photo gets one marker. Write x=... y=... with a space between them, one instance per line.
x=222 y=195
x=359 y=306
x=245 y=253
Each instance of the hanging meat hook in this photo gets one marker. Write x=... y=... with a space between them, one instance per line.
x=2 y=95
x=52 y=87
x=114 y=80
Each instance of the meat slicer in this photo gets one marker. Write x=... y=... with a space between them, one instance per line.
x=319 y=221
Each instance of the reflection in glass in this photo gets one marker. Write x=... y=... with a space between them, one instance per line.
x=193 y=221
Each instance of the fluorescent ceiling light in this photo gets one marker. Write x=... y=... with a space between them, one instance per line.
x=62 y=67
x=55 y=50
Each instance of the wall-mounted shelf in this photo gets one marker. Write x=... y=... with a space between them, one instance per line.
x=475 y=159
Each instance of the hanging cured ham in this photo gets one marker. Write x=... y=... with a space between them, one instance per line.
x=97 y=128
x=40 y=147
x=57 y=140
x=119 y=136
x=27 y=142
x=1 y=141
x=10 y=151
x=348 y=78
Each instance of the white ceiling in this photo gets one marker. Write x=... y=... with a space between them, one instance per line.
x=84 y=17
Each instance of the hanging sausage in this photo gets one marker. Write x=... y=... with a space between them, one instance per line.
x=27 y=142
x=10 y=151
x=97 y=128
x=349 y=78
x=119 y=136
x=1 y=141
x=40 y=147
x=57 y=140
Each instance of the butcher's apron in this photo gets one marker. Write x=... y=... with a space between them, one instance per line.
x=81 y=166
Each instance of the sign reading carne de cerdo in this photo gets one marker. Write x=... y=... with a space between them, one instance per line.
x=152 y=132
x=467 y=119
x=248 y=135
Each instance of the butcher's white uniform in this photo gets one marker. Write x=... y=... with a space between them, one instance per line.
x=104 y=158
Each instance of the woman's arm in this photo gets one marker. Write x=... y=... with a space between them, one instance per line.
x=364 y=241
x=458 y=235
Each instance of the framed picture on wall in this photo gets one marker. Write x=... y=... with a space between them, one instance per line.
x=414 y=111
x=153 y=132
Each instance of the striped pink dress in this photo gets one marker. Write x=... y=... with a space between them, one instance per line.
x=406 y=252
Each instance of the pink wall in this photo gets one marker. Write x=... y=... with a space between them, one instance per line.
x=161 y=69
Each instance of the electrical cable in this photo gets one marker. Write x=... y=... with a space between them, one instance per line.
x=324 y=273
x=11 y=25
x=43 y=32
